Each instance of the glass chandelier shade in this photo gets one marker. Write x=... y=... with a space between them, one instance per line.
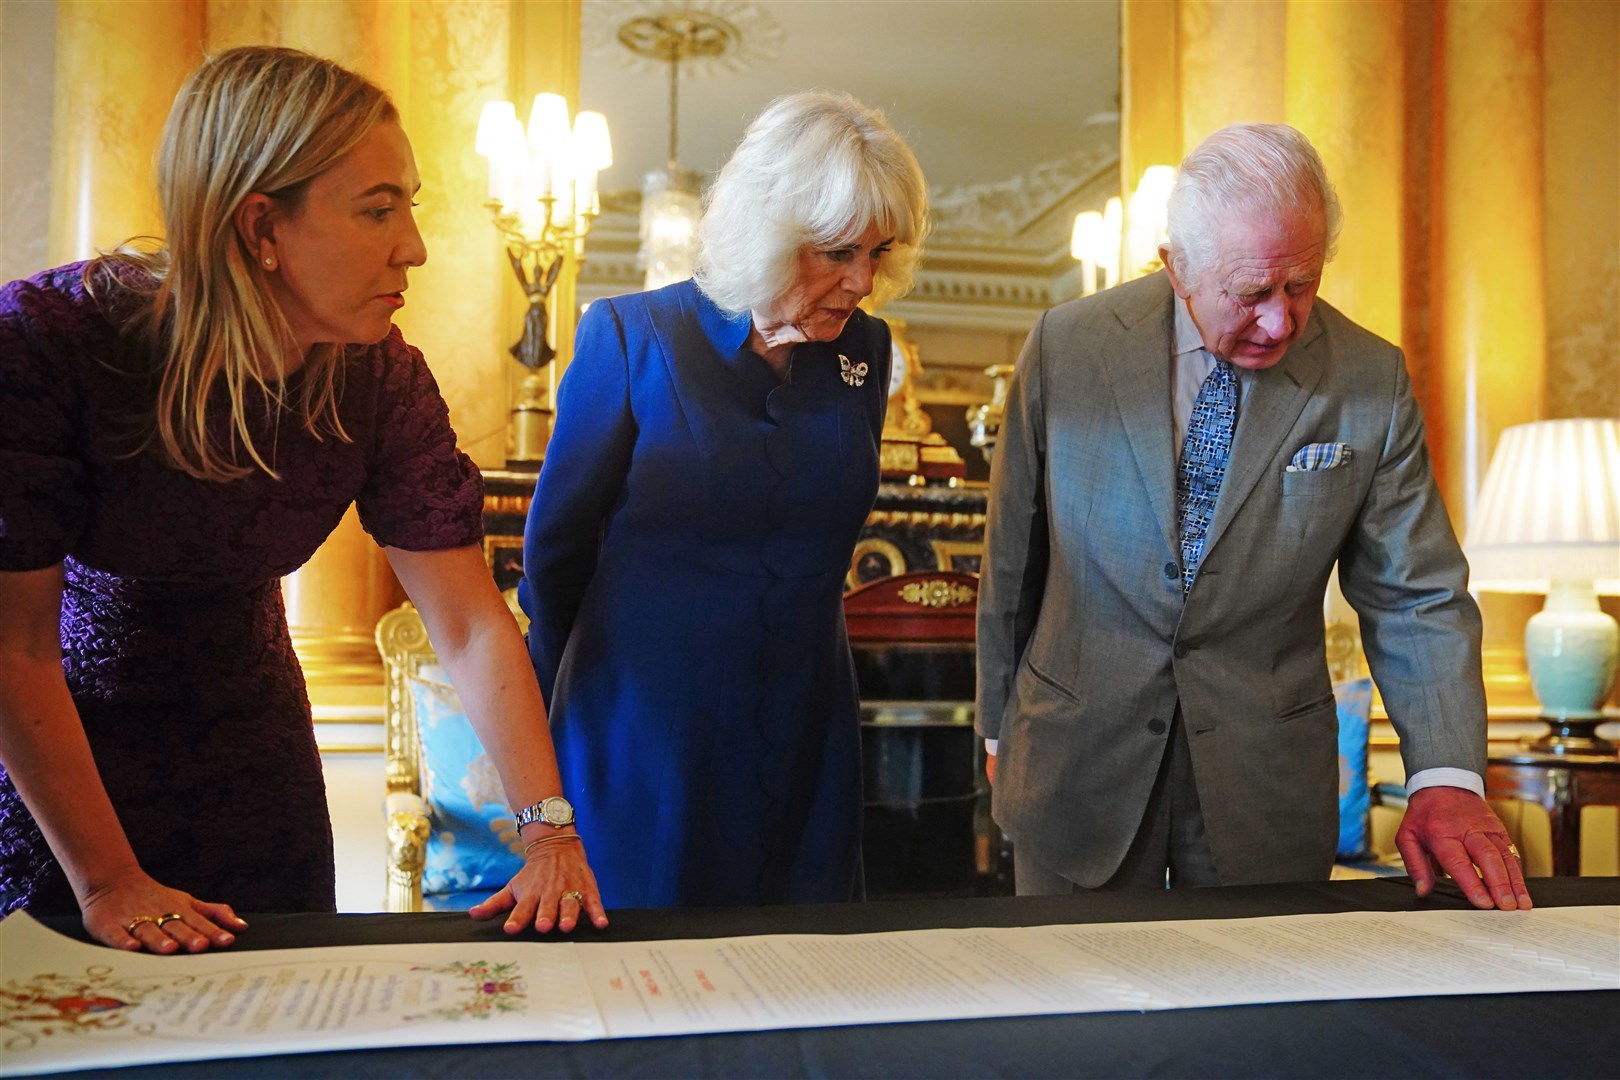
x=671 y=205
x=671 y=201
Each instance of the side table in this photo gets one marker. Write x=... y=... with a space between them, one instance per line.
x=1561 y=784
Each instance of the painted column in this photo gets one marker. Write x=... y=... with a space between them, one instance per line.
x=1343 y=89
x=1149 y=90
x=118 y=65
x=455 y=313
x=440 y=61
x=1489 y=286
x=1231 y=65
x=333 y=604
x=1345 y=92
x=335 y=599
x=243 y=22
x=1490 y=289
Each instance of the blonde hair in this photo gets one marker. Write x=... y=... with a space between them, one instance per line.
x=252 y=119
x=813 y=168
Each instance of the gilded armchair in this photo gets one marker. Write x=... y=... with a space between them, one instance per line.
x=403 y=642
x=408 y=658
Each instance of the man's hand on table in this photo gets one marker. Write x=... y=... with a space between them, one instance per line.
x=1455 y=832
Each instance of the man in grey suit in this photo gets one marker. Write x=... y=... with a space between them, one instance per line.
x=1182 y=461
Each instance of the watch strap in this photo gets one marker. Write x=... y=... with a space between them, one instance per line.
x=536 y=812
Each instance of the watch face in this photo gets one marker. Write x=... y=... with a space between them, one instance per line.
x=557 y=811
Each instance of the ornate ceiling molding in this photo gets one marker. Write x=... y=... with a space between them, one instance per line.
x=752 y=36
x=1010 y=212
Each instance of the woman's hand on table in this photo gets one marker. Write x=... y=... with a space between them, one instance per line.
x=554 y=888
x=136 y=912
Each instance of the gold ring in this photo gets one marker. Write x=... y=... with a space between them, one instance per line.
x=170 y=917
x=129 y=927
x=573 y=894
x=1513 y=850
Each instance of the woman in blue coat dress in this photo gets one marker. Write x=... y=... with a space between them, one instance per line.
x=715 y=456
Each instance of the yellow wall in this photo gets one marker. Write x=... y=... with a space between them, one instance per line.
x=1582 y=178
x=1378 y=86
x=118 y=64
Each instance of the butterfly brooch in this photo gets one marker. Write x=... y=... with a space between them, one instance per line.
x=854 y=374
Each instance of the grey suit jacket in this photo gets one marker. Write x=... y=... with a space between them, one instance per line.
x=1086 y=646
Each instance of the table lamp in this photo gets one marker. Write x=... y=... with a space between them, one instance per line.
x=1548 y=521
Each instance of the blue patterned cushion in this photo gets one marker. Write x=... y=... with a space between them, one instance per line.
x=474 y=844
x=1355 y=798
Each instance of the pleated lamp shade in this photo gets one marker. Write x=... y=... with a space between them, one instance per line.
x=1549 y=509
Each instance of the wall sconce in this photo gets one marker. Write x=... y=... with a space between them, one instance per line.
x=542 y=199
x=1123 y=240
x=1548 y=521
x=1146 y=221
x=1095 y=243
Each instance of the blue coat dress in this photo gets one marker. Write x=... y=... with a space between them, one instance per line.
x=683 y=570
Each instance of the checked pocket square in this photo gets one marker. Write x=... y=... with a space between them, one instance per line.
x=1320 y=456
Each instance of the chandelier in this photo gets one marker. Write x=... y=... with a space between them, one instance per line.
x=671 y=201
x=682 y=37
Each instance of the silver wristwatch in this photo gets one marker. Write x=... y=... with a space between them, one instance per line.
x=555 y=811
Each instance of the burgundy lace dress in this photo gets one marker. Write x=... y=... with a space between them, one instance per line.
x=173 y=631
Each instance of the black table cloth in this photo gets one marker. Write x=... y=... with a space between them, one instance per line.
x=1540 y=1035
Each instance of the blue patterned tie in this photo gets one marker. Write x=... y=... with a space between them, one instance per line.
x=1203 y=463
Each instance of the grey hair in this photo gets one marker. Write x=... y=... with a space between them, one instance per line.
x=813 y=169
x=1242 y=169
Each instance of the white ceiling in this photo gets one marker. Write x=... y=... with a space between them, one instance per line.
x=985 y=90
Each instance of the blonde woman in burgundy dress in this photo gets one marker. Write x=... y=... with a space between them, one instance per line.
x=178 y=430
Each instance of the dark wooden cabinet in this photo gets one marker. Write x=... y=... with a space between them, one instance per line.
x=910 y=528
x=920 y=527
x=507 y=494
